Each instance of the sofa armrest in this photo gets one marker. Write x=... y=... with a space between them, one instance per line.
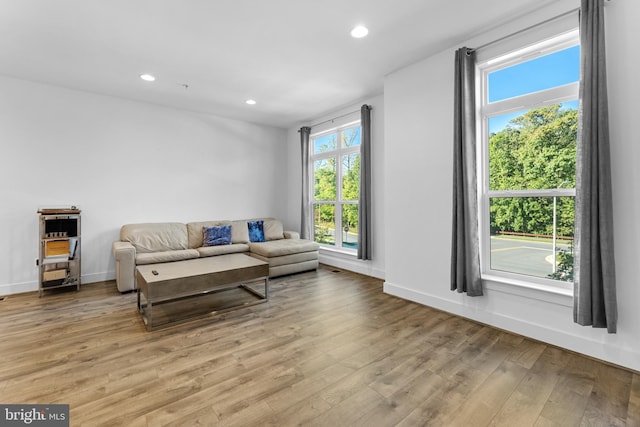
x=125 y=255
x=291 y=235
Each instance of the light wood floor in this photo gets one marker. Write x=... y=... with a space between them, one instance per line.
x=328 y=349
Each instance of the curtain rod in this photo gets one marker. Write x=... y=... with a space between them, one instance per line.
x=336 y=118
x=562 y=15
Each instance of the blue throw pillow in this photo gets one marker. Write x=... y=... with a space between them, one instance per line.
x=256 y=231
x=216 y=236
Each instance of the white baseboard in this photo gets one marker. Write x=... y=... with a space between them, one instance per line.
x=612 y=352
x=98 y=277
x=19 y=288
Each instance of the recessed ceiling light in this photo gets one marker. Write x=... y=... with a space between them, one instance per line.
x=147 y=77
x=359 y=32
x=251 y=102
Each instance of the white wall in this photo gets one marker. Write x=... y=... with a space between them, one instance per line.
x=418 y=137
x=122 y=162
x=376 y=266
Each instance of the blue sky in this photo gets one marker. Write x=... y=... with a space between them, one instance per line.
x=329 y=141
x=552 y=70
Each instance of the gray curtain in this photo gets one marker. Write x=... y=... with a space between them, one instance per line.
x=364 y=212
x=465 y=241
x=594 y=275
x=305 y=218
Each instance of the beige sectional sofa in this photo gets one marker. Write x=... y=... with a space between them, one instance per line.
x=151 y=243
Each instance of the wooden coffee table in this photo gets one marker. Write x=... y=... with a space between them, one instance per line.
x=173 y=281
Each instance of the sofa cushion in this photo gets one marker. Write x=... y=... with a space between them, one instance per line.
x=155 y=237
x=283 y=247
x=194 y=230
x=166 y=256
x=287 y=259
x=216 y=236
x=273 y=229
x=223 y=249
x=291 y=235
x=239 y=231
x=256 y=231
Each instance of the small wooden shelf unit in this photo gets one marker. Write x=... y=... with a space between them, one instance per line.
x=59 y=254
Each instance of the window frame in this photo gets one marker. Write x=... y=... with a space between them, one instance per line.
x=486 y=110
x=338 y=153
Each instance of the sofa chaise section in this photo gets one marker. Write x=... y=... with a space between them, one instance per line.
x=286 y=256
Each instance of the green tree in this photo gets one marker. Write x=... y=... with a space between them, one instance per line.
x=325 y=179
x=536 y=150
x=351 y=178
x=564 y=269
x=350 y=190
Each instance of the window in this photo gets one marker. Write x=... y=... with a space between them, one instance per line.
x=335 y=169
x=528 y=132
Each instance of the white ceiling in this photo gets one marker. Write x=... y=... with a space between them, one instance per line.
x=295 y=57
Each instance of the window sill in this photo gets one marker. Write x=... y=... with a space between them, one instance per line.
x=551 y=294
x=334 y=251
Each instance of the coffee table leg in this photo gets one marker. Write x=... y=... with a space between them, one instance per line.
x=146 y=311
x=263 y=296
x=149 y=314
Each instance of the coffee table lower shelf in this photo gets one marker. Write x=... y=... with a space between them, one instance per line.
x=191 y=289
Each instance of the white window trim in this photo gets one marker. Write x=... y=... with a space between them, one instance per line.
x=338 y=153
x=494 y=278
x=551 y=294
